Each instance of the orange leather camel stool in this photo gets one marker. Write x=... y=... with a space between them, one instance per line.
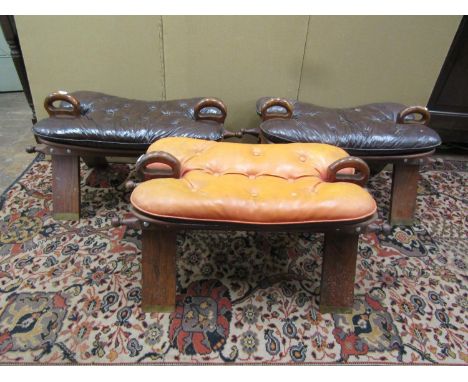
x=221 y=185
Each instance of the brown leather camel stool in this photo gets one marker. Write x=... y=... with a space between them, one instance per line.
x=230 y=186
x=379 y=133
x=94 y=125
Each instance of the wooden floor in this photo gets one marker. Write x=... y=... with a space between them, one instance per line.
x=15 y=135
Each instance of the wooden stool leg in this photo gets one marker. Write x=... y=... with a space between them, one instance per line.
x=66 y=187
x=404 y=192
x=93 y=161
x=159 y=270
x=338 y=271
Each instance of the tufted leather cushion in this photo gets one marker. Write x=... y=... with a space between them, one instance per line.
x=364 y=130
x=250 y=183
x=112 y=122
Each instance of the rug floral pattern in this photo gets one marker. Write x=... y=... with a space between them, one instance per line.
x=70 y=291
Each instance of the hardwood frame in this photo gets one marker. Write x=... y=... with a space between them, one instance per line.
x=66 y=157
x=159 y=254
x=405 y=166
x=159 y=250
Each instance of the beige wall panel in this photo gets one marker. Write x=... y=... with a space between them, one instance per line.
x=353 y=60
x=120 y=55
x=235 y=58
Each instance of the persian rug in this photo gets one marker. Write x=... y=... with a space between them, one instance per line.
x=70 y=291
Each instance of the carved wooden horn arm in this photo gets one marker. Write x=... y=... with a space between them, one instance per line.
x=158 y=157
x=360 y=178
x=53 y=111
x=281 y=102
x=210 y=102
x=419 y=110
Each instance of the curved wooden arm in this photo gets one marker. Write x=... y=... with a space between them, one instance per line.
x=422 y=111
x=210 y=102
x=158 y=157
x=358 y=164
x=265 y=115
x=53 y=111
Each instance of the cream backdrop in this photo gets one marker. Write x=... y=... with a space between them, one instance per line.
x=329 y=60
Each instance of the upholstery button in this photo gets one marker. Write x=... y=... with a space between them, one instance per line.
x=302 y=158
x=252 y=176
x=254 y=194
x=256 y=152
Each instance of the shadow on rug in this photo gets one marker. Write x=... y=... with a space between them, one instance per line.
x=70 y=291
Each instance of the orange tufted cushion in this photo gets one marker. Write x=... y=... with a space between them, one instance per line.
x=252 y=183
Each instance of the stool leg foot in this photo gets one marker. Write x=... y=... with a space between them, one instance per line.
x=338 y=272
x=66 y=187
x=95 y=161
x=404 y=193
x=159 y=270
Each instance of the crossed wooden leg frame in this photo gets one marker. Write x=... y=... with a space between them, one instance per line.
x=159 y=256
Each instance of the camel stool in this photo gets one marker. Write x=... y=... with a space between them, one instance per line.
x=379 y=133
x=94 y=125
x=230 y=186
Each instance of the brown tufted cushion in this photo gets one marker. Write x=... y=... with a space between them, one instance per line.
x=113 y=122
x=252 y=183
x=363 y=130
